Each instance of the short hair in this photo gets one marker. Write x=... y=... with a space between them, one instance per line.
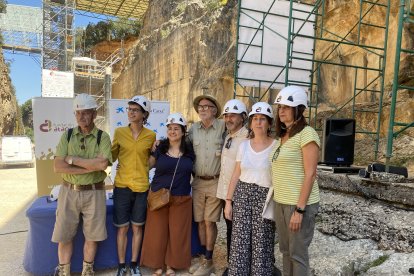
x=250 y=135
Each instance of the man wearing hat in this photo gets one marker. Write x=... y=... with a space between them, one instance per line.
x=82 y=155
x=131 y=146
x=207 y=139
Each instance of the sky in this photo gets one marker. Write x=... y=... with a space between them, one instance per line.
x=25 y=71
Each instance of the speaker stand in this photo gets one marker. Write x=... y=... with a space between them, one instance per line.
x=338 y=169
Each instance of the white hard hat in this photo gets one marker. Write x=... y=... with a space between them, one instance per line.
x=262 y=108
x=176 y=118
x=142 y=101
x=234 y=106
x=292 y=96
x=54 y=193
x=84 y=101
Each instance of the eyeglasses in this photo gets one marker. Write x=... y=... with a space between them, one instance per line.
x=276 y=154
x=83 y=146
x=81 y=113
x=205 y=107
x=228 y=144
x=133 y=110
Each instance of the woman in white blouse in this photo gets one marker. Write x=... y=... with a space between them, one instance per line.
x=252 y=240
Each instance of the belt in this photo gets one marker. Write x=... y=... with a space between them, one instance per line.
x=207 y=177
x=94 y=186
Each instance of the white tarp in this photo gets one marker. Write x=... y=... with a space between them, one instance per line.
x=262 y=50
x=57 y=84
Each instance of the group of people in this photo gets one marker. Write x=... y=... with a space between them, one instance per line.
x=218 y=167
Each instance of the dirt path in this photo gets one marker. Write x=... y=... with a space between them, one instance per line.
x=17 y=190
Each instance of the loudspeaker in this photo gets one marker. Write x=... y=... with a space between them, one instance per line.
x=338 y=142
x=377 y=167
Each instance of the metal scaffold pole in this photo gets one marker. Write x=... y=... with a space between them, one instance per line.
x=405 y=20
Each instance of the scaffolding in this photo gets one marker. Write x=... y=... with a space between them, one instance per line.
x=118 y=8
x=400 y=84
x=21 y=29
x=58 y=34
x=301 y=59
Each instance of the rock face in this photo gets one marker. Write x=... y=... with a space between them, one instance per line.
x=9 y=107
x=187 y=48
x=350 y=217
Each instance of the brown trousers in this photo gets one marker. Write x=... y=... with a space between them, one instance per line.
x=167 y=238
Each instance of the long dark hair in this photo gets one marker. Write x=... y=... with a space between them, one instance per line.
x=298 y=125
x=185 y=147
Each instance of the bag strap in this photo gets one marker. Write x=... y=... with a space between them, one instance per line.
x=98 y=138
x=176 y=166
x=175 y=170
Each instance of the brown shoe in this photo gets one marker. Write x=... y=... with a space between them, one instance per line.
x=63 y=270
x=87 y=269
x=205 y=269
x=197 y=262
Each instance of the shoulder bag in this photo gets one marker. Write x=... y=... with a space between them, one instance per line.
x=160 y=198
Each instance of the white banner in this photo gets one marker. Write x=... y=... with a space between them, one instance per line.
x=51 y=117
x=57 y=84
x=156 y=121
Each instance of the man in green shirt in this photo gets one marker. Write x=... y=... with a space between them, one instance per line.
x=82 y=156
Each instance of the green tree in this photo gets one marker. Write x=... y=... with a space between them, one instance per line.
x=96 y=33
x=27 y=114
x=3 y=5
x=122 y=28
x=27 y=118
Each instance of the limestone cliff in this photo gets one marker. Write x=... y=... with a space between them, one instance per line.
x=9 y=106
x=188 y=47
x=184 y=48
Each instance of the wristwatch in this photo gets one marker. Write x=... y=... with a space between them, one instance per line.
x=300 y=210
x=70 y=161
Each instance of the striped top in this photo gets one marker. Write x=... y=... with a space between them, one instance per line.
x=287 y=168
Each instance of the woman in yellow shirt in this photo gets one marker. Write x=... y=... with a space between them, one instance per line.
x=293 y=164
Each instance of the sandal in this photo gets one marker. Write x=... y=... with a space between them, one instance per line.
x=170 y=272
x=157 y=272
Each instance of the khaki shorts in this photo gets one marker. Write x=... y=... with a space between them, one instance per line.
x=91 y=205
x=206 y=206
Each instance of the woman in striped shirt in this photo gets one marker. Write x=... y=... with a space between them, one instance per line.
x=293 y=164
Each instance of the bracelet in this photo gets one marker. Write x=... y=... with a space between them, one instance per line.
x=229 y=199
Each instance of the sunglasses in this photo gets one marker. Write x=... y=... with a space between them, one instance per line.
x=228 y=144
x=276 y=154
x=83 y=146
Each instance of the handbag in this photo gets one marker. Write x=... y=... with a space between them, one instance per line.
x=160 y=198
x=269 y=206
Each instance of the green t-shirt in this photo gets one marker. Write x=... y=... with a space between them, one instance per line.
x=87 y=149
x=288 y=171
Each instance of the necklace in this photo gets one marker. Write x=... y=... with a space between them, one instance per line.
x=173 y=154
